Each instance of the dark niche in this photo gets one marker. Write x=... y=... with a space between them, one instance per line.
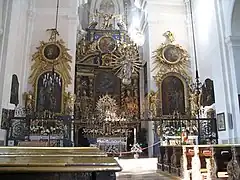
x=207 y=97
x=14 y=90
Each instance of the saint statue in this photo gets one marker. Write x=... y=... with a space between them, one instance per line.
x=195 y=103
x=130 y=106
x=29 y=101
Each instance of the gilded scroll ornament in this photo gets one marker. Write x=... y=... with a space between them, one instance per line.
x=49 y=54
x=170 y=57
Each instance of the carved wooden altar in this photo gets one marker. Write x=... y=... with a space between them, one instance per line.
x=101 y=70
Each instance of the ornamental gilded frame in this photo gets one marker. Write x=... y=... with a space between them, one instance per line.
x=185 y=83
x=36 y=89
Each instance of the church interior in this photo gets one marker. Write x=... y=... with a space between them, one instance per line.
x=88 y=84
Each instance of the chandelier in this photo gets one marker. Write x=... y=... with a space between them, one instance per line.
x=51 y=79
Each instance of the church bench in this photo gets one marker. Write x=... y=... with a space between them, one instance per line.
x=65 y=164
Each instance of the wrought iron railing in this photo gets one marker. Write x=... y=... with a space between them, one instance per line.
x=45 y=128
x=204 y=128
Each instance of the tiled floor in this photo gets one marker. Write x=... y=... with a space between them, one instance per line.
x=139 y=169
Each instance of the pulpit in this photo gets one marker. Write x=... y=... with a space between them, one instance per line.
x=56 y=163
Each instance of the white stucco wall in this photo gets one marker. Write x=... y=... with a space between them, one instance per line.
x=14 y=48
x=218 y=44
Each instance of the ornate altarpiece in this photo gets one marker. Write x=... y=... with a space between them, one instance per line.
x=173 y=78
x=48 y=105
x=101 y=56
x=50 y=76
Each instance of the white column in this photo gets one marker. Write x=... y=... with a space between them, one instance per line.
x=233 y=44
x=188 y=23
x=71 y=42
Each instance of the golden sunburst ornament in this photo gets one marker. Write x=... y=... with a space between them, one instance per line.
x=170 y=57
x=128 y=63
x=49 y=54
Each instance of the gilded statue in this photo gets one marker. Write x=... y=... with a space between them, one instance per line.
x=130 y=104
x=152 y=100
x=29 y=101
x=69 y=103
x=128 y=63
x=169 y=37
x=107 y=18
x=195 y=103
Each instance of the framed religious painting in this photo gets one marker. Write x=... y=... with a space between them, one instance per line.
x=51 y=51
x=106 y=44
x=171 y=54
x=221 y=122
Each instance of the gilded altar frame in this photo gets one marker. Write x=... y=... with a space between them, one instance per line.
x=178 y=66
x=42 y=63
x=159 y=92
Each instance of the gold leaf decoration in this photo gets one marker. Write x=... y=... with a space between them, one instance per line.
x=170 y=58
x=42 y=64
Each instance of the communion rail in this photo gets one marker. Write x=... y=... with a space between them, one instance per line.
x=200 y=161
x=204 y=130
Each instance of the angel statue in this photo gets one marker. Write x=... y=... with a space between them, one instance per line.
x=69 y=103
x=107 y=19
x=169 y=37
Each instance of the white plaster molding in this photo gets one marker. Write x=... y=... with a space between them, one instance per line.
x=1 y=31
x=233 y=41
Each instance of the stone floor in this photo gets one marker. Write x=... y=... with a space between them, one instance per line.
x=144 y=176
x=139 y=169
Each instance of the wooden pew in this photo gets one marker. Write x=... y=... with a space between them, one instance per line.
x=56 y=163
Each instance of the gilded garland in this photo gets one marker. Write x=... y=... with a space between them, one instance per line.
x=49 y=54
x=170 y=57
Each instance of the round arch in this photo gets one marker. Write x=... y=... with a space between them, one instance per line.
x=229 y=13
